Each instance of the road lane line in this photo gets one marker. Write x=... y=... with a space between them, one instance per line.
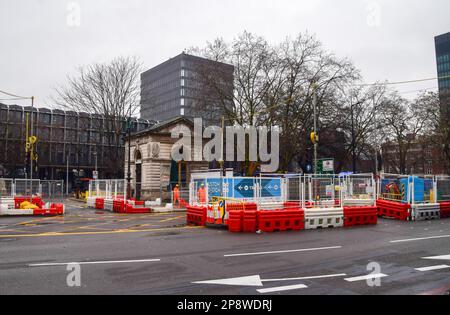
x=420 y=239
x=171 y=219
x=100 y=233
x=367 y=277
x=285 y=288
x=284 y=251
x=432 y=268
x=95 y=262
x=443 y=257
x=305 y=278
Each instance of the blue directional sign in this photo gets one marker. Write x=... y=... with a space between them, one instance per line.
x=244 y=188
x=271 y=187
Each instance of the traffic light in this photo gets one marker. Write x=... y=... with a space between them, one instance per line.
x=314 y=138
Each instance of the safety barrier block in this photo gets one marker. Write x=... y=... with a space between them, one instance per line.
x=235 y=221
x=422 y=212
x=247 y=206
x=291 y=205
x=394 y=210
x=129 y=209
x=35 y=200
x=249 y=221
x=91 y=202
x=319 y=218
x=354 y=216
x=281 y=220
x=99 y=203
x=196 y=215
x=119 y=205
x=445 y=209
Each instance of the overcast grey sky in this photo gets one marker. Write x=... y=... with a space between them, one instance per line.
x=41 y=41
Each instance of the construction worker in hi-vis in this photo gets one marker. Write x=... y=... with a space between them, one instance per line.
x=201 y=194
x=176 y=195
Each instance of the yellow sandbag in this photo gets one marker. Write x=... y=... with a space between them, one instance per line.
x=26 y=205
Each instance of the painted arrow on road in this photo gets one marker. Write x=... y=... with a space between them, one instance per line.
x=256 y=281
x=250 y=281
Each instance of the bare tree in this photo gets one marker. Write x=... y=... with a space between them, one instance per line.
x=403 y=123
x=110 y=90
x=273 y=85
x=357 y=116
x=437 y=127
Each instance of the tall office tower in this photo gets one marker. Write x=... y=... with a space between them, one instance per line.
x=442 y=43
x=178 y=87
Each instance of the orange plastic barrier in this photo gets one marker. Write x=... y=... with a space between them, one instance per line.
x=354 y=216
x=196 y=215
x=445 y=210
x=281 y=220
x=394 y=210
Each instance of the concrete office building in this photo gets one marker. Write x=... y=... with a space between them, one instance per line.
x=442 y=43
x=80 y=139
x=174 y=88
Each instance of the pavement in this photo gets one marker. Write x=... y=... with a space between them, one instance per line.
x=159 y=254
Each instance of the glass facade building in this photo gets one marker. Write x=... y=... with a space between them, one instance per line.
x=67 y=140
x=173 y=89
x=442 y=43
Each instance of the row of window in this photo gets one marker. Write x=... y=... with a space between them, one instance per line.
x=444 y=84
x=442 y=67
x=443 y=58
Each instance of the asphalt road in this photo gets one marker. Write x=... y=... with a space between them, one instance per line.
x=158 y=254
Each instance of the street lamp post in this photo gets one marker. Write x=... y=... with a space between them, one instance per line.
x=316 y=144
x=32 y=149
x=129 y=158
x=353 y=138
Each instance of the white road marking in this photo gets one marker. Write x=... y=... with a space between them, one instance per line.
x=95 y=262
x=306 y=278
x=285 y=288
x=443 y=257
x=421 y=239
x=431 y=268
x=367 y=277
x=284 y=251
x=254 y=281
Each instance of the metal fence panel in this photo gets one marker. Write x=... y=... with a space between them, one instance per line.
x=443 y=188
x=6 y=188
x=24 y=187
x=52 y=188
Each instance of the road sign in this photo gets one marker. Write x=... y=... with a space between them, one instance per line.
x=271 y=187
x=244 y=188
x=95 y=174
x=325 y=166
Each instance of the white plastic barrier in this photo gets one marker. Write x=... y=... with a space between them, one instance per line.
x=156 y=203
x=8 y=202
x=91 y=202
x=14 y=212
x=324 y=218
x=109 y=205
x=429 y=211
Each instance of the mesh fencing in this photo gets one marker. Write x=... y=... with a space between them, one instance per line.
x=24 y=187
x=108 y=188
x=6 y=188
x=443 y=188
x=358 y=186
x=52 y=189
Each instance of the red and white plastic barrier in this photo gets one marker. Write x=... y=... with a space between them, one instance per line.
x=53 y=210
